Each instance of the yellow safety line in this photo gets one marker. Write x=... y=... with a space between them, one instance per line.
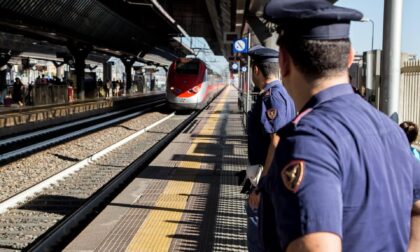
x=158 y=227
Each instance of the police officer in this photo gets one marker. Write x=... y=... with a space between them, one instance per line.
x=343 y=177
x=272 y=110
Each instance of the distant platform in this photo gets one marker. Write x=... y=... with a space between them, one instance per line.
x=15 y=119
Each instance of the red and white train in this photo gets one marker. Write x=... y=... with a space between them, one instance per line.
x=191 y=85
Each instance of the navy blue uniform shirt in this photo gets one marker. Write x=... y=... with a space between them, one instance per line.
x=273 y=109
x=342 y=167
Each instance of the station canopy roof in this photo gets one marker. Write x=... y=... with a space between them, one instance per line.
x=117 y=27
x=202 y=50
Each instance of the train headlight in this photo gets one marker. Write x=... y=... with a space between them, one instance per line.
x=195 y=89
x=171 y=88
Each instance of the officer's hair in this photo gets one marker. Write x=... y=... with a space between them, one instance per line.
x=411 y=130
x=268 y=68
x=317 y=58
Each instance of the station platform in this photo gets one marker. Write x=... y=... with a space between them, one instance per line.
x=16 y=119
x=187 y=199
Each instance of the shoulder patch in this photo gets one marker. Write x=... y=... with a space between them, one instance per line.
x=301 y=115
x=271 y=113
x=292 y=175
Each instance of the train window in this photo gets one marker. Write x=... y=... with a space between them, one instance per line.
x=187 y=67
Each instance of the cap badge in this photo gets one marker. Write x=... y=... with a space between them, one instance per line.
x=292 y=175
x=271 y=113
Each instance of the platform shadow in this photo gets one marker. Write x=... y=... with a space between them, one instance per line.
x=146 y=207
x=186 y=175
x=56 y=204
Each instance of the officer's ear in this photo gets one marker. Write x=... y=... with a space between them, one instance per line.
x=255 y=69
x=350 y=57
x=284 y=62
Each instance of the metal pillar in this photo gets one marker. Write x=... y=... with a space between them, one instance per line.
x=264 y=32
x=128 y=64
x=371 y=64
x=369 y=85
x=80 y=53
x=58 y=66
x=248 y=86
x=271 y=42
x=391 y=56
x=152 y=81
x=107 y=75
x=4 y=58
x=3 y=81
x=80 y=66
x=241 y=87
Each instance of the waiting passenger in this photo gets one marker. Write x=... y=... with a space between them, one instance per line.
x=29 y=96
x=412 y=131
x=17 y=93
x=44 y=81
x=38 y=81
x=108 y=88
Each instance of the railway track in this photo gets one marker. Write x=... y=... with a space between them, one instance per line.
x=49 y=214
x=22 y=145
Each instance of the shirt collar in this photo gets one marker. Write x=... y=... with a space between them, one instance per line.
x=328 y=94
x=269 y=85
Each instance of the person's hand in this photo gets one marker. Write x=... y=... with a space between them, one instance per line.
x=254 y=200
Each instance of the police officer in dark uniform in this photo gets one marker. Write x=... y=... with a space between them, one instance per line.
x=343 y=177
x=272 y=110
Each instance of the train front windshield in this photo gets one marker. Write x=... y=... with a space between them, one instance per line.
x=187 y=67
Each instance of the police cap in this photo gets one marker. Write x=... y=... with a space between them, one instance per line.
x=311 y=19
x=260 y=54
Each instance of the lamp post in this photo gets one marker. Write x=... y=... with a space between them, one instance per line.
x=365 y=20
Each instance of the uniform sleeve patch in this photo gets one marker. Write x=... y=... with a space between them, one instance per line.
x=271 y=113
x=292 y=175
